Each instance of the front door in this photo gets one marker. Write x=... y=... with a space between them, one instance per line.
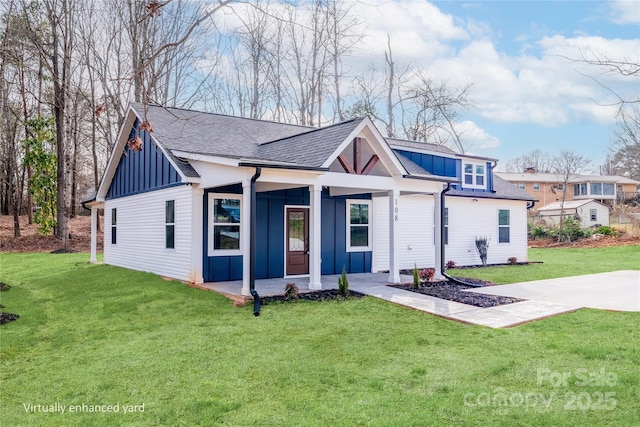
x=297 y=256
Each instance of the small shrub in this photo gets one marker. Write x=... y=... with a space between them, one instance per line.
x=512 y=260
x=426 y=274
x=416 y=277
x=291 y=291
x=571 y=231
x=538 y=232
x=451 y=264
x=343 y=283
x=482 y=246
x=606 y=230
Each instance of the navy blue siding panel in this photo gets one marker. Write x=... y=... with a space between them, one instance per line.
x=437 y=165
x=328 y=230
x=275 y=231
x=263 y=238
x=140 y=171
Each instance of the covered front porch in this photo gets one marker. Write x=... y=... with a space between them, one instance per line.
x=269 y=287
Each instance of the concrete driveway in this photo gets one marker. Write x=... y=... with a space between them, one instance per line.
x=617 y=290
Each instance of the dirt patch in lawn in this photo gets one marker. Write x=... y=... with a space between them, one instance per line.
x=323 y=295
x=31 y=241
x=6 y=317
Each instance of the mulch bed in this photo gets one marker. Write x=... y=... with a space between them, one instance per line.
x=6 y=317
x=452 y=291
x=323 y=295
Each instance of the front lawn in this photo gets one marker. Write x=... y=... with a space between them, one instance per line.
x=96 y=335
x=558 y=262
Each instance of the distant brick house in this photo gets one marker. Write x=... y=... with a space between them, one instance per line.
x=548 y=187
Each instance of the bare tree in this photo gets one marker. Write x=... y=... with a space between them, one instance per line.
x=536 y=159
x=566 y=166
x=625 y=147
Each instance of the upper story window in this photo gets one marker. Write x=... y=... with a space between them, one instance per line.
x=359 y=231
x=520 y=185
x=536 y=186
x=560 y=187
x=596 y=188
x=475 y=175
x=224 y=224
x=608 y=189
x=580 y=189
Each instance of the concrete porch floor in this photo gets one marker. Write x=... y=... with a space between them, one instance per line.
x=375 y=285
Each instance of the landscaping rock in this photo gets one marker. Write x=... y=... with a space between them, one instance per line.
x=455 y=292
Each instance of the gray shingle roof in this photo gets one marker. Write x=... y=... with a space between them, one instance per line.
x=502 y=190
x=420 y=146
x=212 y=134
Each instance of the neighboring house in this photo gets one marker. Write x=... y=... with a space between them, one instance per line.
x=548 y=187
x=589 y=213
x=216 y=198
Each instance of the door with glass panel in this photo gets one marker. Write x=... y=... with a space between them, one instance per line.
x=297 y=241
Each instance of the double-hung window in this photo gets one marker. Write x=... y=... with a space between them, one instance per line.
x=224 y=223
x=359 y=225
x=474 y=175
x=504 y=225
x=114 y=233
x=593 y=214
x=170 y=224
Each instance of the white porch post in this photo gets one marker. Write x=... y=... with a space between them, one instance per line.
x=394 y=236
x=438 y=219
x=94 y=236
x=197 y=224
x=245 y=236
x=315 y=222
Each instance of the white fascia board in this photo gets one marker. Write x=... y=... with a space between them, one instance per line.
x=112 y=165
x=380 y=142
x=207 y=158
x=379 y=183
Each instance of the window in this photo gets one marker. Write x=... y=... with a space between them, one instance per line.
x=608 y=189
x=520 y=185
x=170 y=224
x=503 y=226
x=596 y=188
x=358 y=227
x=576 y=189
x=580 y=189
x=113 y=226
x=593 y=213
x=536 y=186
x=474 y=175
x=224 y=219
x=560 y=187
x=446 y=226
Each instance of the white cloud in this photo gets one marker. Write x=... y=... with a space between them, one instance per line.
x=625 y=12
x=476 y=138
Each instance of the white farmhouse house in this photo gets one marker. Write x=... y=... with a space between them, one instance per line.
x=211 y=197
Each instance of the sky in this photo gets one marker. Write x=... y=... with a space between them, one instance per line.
x=527 y=92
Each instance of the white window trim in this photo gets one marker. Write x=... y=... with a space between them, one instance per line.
x=113 y=227
x=348 y=226
x=173 y=249
x=474 y=175
x=223 y=252
x=504 y=226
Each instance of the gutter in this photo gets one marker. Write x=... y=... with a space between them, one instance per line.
x=531 y=204
x=252 y=245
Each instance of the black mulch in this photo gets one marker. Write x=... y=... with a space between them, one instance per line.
x=7 y=317
x=323 y=295
x=452 y=291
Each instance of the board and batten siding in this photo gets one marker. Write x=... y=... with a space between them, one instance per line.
x=140 y=226
x=469 y=217
x=415 y=227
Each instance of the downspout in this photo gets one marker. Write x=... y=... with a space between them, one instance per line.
x=252 y=244
x=442 y=245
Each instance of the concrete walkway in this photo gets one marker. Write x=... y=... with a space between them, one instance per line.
x=616 y=290
x=375 y=284
x=502 y=316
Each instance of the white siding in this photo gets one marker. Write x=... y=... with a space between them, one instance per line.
x=469 y=218
x=140 y=241
x=415 y=225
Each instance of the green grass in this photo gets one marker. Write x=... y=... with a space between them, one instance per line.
x=102 y=335
x=558 y=262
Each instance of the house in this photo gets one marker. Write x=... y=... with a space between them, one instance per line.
x=548 y=187
x=210 y=197
x=589 y=213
